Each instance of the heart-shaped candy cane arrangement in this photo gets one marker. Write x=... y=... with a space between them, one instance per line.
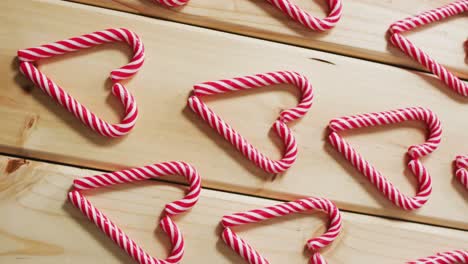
x=414 y=152
x=292 y=10
x=30 y=55
x=417 y=54
x=139 y=174
x=283 y=131
x=246 y=251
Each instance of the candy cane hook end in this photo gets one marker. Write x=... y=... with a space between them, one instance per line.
x=461 y=170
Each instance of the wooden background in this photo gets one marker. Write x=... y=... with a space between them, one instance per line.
x=351 y=68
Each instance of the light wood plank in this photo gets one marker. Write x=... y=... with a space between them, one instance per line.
x=360 y=33
x=179 y=56
x=40 y=226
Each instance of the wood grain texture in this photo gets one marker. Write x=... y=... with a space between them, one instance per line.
x=40 y=226
x=179 y=56
x=360 y=33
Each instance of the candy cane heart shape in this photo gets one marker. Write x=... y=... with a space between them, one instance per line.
x=461 y=171
x=132 y=175
x=28 y=56
x=307 y=20
x=417 y=54
x=414 y=152
x=247 y=252
x=449 y=257
x=283 y=131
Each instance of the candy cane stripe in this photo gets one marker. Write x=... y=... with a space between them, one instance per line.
x=397 y=39
x=449 y=257
x=280 y=127
x=30 y=55
x=138 y=174
x=461 y=173
x=415 y=152
x=246 y=251
x=172 y=3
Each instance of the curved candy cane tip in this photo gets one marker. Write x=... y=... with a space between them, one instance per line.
x=119 y=91
x=461 y=170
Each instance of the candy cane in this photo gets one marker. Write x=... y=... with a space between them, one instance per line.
x=414 y=152
x=132 y=175
x=293 y=11
x=172 y=3
x=247 y=252
x=283 y=131
x=417 y=54
x=449 y=257
x=28 y=56
x=461 y=164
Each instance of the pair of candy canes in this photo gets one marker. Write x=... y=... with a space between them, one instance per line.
x=106 y=225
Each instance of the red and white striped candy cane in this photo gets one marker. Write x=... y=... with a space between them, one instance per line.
x=414 y=152
x=449 y=257
x=172 y=3
x=417 y=54
x=283 y=131
x=139 y=174
x=293 y=11
x=461 y=164
x=247 y=252
x=30 y=55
